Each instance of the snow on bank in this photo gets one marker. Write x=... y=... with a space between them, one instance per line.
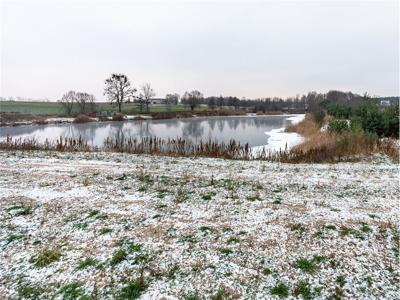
x=295 y=119
x=278 y=139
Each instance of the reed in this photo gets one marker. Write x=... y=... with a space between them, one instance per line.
x=332 y=148
x=61 y=144
x=150 y=145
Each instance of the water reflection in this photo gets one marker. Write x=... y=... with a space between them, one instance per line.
x=246 y=129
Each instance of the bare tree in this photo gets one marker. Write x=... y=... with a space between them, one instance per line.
x=140 y=100
x=192 y=98
x=147 y=92
x=67 y=101
x=220 y=101
x=118 y=89
x=212 y=102
x=85 y=102
x=171 y=99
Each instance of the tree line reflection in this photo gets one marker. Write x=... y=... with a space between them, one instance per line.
x=222 y=128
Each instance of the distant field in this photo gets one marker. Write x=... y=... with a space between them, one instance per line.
x=54 y=108
x=50 y=108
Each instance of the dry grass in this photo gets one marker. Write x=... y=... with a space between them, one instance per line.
x=61 y=144
x=331 y=147
x=82 y=119
x=118 y=117
x=307 y=128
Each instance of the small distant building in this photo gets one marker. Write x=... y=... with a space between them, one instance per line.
x=385 y=103
x=157 y=101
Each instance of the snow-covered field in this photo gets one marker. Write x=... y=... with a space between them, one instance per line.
x=106 y=226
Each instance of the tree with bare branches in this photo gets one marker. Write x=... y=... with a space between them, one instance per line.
x=171 y=99
x=67 y=102
x=147 y=92
x=119 y=89
x=192 y=98
x=85 y=102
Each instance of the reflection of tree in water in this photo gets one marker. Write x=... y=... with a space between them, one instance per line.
x=244 y=123
x=172 y=123
x=86 y=131
x=95 y=133
x=192 y=129
x=22 y=130
x=258 y=122
x=117 y=131
x=144 y=129
x=211 y=123
x=233 y=123
x=221 y=125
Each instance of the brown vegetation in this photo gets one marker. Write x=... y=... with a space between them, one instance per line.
x=82 y=119
x=118 y=117
x=61 y=144
x=324 y=146
x=7 y=118
x=150 y=145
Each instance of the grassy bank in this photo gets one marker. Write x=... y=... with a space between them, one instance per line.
x=55 y=108
x=324 y=145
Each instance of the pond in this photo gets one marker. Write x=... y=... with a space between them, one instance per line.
x=267 y=131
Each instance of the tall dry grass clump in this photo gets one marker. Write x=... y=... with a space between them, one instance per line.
x=307 y=127
x=82 y=119
x=61 y=144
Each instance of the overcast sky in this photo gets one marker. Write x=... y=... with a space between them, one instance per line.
x=245 y=49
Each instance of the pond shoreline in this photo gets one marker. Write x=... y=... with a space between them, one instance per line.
x=252 y=129
x=20 y=119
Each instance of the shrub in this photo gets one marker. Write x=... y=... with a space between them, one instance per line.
x=82 y=119
x=391 y=121
x=118 y=117
x=372 y=119
x=340 y=111
x=368 y=116
x=339 y=126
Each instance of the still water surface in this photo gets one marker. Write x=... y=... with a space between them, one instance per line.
x=245 y=129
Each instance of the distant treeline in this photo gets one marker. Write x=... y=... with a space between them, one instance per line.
x=298 y=104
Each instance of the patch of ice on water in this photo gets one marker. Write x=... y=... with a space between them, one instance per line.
x=281 y=140
x=296 y=118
